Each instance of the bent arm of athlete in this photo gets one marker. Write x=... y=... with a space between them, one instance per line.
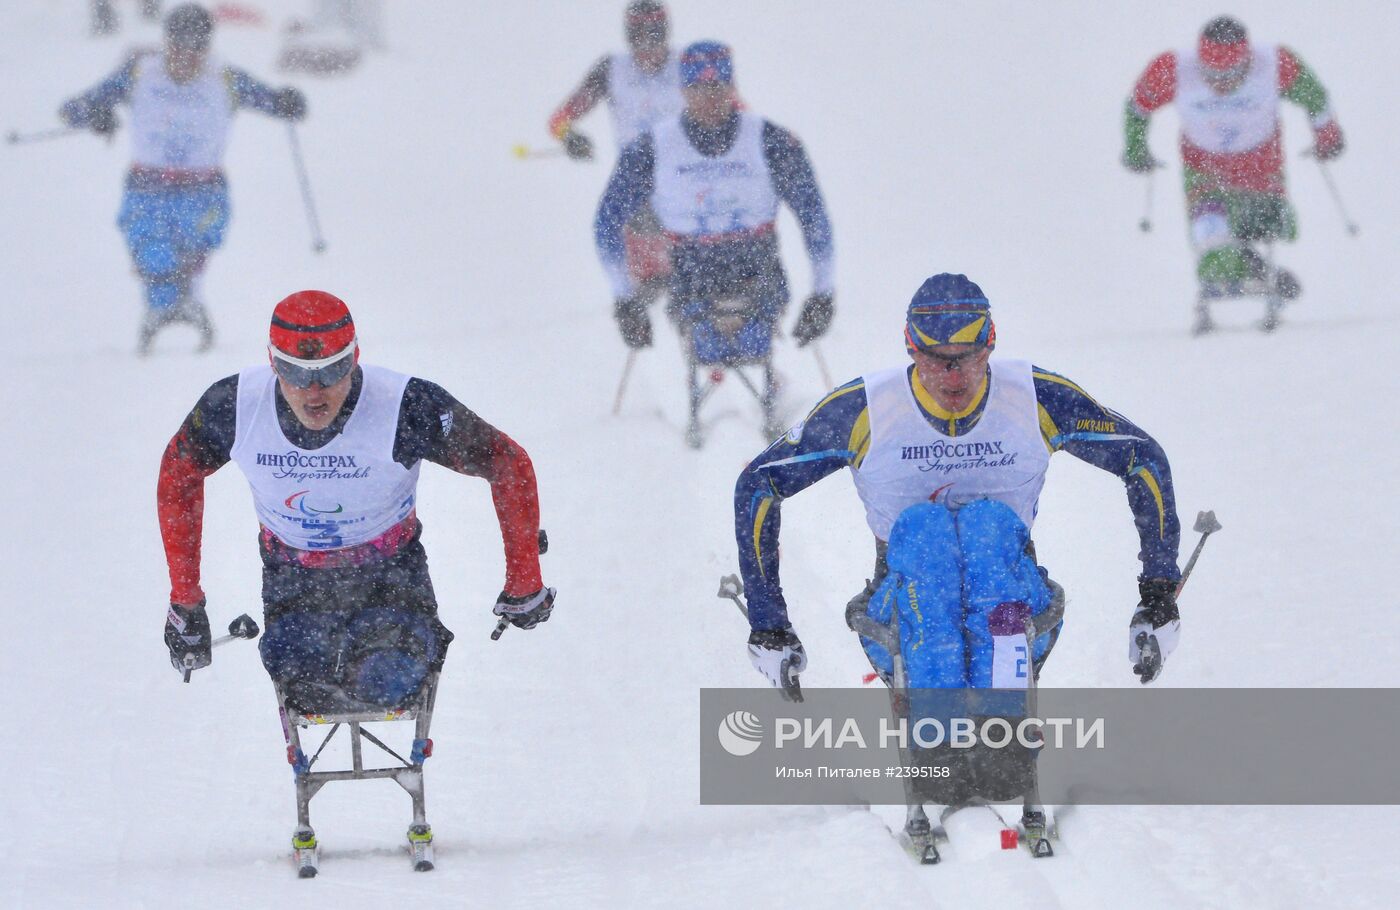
x=628 y=190
x=113 y=90
x=199 y=448
x=796 y=184
x=436 y=427
x=836 y=434
x=1072 y=421
x=592 y=90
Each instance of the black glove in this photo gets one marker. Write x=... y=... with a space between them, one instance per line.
x=187 y=635
x=633 y=321
x=528 y=611
x=577 y=146
x=289 y=104
x=1140 y=162
x=814 y=319
x=1155 y=629
x=779 y=656
x=103 y=121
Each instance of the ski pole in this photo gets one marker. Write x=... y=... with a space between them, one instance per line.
x=732 y=588
x=242 y=627
x=1352 y=227
x=318 y=243
x=1145 y=225
x=622 y=384
x=524 y=152
x=821 y=363
x=15 y=137
x=1206 y=525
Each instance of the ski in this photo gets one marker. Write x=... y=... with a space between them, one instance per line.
x=921 y=842
x=420 y=845
x=305 y=852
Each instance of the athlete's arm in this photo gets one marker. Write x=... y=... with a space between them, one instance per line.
x=1073 y=421
x=796 y=184
x=250 y=92
x=592 y=90
x=836 y=434
x=1300 y=85
x=435 y=426
x=200 y=447
x=108 y=93
x=628 y=190
x=1155 y=88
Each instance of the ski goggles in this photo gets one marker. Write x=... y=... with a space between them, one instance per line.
x=325 y=372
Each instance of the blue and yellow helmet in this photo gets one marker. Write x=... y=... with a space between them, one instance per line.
x=948 y=309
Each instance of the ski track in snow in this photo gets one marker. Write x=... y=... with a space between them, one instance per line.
x=967 y=138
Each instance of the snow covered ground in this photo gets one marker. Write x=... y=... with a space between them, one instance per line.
x=966 y=137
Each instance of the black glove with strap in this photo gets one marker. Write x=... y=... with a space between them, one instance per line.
x=528 y=611
x=1155 y=629
x=577 y=146
x=814 y=319
x=633 y=321
x=187 y=637
x=289 y=104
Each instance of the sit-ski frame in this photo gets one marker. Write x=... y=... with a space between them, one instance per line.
x=408 y=774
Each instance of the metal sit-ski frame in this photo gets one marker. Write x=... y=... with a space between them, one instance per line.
x=703 y=378
x=407 y=774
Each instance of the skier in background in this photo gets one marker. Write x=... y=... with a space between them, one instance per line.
x=1227 y=92
x=642 y=87
x=175 y=206
x=350 y=613
x=949 y=455
x=715 y=175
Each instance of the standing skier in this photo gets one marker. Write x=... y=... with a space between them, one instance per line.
x=715 y=175
x=331 y=450
x=642 y=87
x=1227 y=93
x=949 y=455
x=175 y=206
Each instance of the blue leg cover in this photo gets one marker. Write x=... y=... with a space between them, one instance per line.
x=303 y=644
x=1004 y=586
x=963 y=585
x=391 y=651
x=925 y=585
x=167 y=230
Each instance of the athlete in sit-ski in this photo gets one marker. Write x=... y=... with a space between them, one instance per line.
x=715 y=175
x=175 y=207
x=1227 y=93
x=331 y=449
x=642 y=87
x=948 y=455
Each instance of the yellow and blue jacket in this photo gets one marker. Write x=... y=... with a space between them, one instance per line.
x=836 y=434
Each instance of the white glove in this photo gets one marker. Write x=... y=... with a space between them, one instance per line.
x=779 y=656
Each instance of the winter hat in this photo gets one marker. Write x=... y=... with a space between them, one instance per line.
x=189 y=26
x=311 y=325
x=1224 y=44
x=948 y=309
x=707 y=63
